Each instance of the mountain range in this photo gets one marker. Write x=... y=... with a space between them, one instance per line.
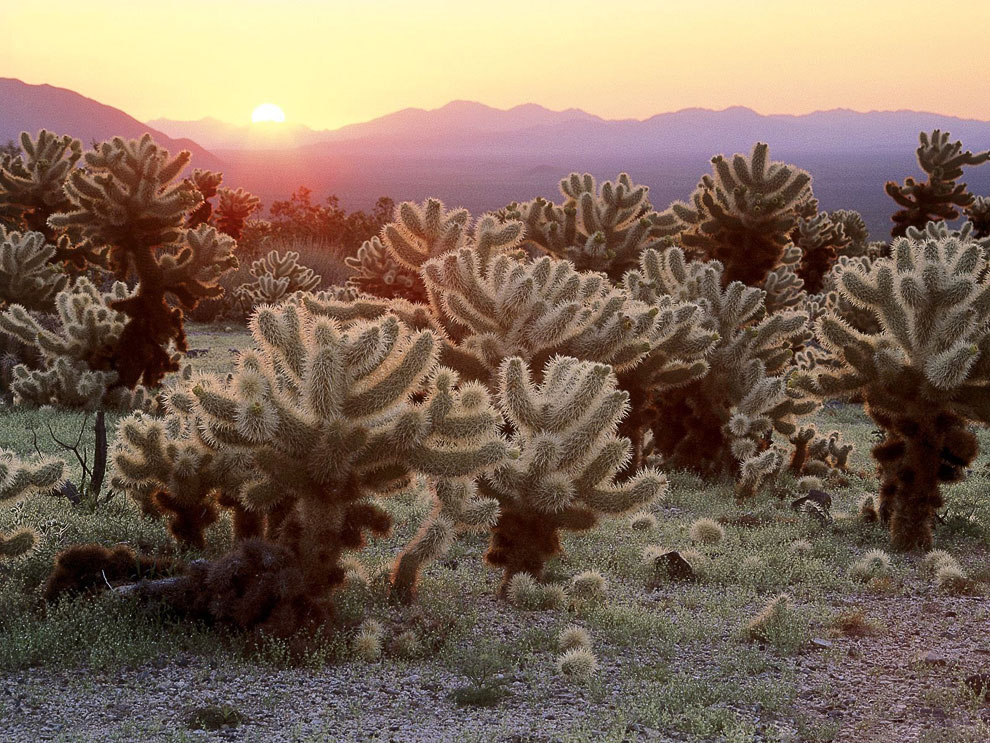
x=25 y=107
x=481 y=157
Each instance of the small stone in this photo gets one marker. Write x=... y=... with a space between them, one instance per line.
x=821 y=643
x=677 y=567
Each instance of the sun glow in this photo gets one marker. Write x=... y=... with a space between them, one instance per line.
x=268 y=112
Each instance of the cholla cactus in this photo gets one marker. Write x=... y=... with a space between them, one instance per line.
x=391 y=266
x=234 y=208
x=377 y=273
x=855 y=230
x=723 y=421
x=420 y=232
x=815 y=455
x=923 y=376
x=565 y=431
x=939 y=197
x=821 y=240
x=206 y=182
x=31 y=184
x=277 y=277
x=458 y=507
x=129 y=209
x=19 y=479
x=597 y=228
x=978 y=213
x=743 y=213
x=27 y=276
x=497 y=306
x=323 y=417
x=77 y=367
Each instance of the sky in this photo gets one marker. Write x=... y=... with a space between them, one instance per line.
x=334 y=62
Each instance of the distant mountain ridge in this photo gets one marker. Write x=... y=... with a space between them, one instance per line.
x=25 y=107
x=467 y=128
x=480 y=157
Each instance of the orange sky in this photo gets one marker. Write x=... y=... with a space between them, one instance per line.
x=334 y=62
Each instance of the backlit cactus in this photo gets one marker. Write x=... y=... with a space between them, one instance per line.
x=129 y=207
x=939 y=197
x=599 y=228
x=743 y=213
x=723 y=422
x=31 y=183
x=324 y=417
x=276 y=278
x=19 y=479
x=234 y=208
x=923 y=375
x=495 y=306
x=565 y=431
x=78 y=364
x=27 y=276
x=376 y=272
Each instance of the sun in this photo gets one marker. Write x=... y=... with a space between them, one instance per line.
x=268 y=112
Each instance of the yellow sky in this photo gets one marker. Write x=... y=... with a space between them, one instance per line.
x=330 y=63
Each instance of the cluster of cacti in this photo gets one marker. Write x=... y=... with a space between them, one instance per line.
x=31 y=184
x=598 y=228
x=314 y=423
x=939 y=197
x=743 y=214
x=389 y=266
x=818 y=456
x=128 y=209
x=527 y=393
x=923 y=376
x=495 y=305
x=276 y=278
x=77 y=366
x=19 y=479
x=722 y=422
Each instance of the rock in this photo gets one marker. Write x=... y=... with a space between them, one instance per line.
x=677 y=567
x=821 y=643
x=933 y=658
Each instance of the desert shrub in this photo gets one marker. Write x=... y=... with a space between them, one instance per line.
x=299 y=218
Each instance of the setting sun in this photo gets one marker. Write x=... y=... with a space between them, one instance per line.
x=268 y=112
